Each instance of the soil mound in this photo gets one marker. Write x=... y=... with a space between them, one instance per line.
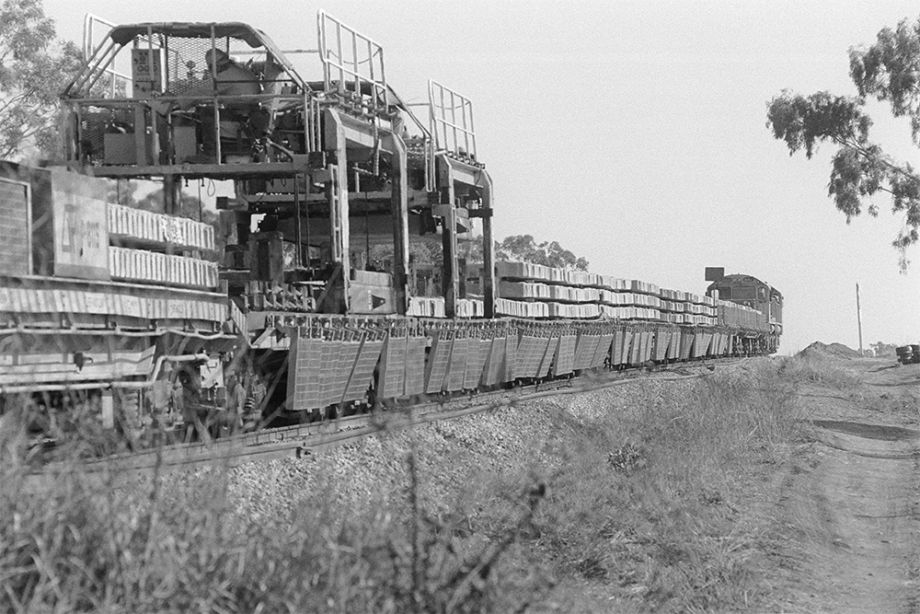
x=833 y=350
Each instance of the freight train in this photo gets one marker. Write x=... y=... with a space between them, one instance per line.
x=301 y=285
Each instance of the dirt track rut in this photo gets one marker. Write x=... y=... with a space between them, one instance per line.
x=853 y=503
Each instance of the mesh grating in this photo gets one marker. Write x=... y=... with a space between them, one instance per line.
x=187 y=68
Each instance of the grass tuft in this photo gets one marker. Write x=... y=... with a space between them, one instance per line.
x=818 y=369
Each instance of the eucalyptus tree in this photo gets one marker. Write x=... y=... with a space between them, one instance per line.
x=888 y=71
x=34 y=67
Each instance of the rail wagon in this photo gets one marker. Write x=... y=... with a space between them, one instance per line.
x=302 y=276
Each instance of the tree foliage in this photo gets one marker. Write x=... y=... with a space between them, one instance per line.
x=889 y=70
x=129 y=193
x=884 y=350
x=34 y=66
x=524 y=248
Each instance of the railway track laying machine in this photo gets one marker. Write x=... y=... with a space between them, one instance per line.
x=334 y=262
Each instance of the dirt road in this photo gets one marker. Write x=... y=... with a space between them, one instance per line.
x=850 y=501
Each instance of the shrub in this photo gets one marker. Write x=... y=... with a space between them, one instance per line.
x=818 y=369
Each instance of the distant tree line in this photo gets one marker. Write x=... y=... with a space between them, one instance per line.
x=524 y=248
x=548 y=253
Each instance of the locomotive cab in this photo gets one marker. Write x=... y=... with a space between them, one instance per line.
x=747 y=291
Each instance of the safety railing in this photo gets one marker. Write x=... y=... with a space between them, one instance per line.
x=353 y=65
x=451 y=116
x=104 y=70
x=93 y=41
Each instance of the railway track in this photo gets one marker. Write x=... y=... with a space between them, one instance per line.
x=299 y=440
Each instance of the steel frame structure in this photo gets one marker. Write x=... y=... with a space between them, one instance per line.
x=352 y=118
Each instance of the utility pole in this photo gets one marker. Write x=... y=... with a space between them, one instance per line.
x=859 y=319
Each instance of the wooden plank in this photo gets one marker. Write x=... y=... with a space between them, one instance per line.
x=646 y=346
x=304 y=372
x=415 y=365
x=546 y=362
x=332 y=374
x=476 y=360
x=456 y=369
x=485 y=351
x=523 y=357
x=617 y=347
x=686 y=343
x=392 y=375
x=636 y=347
x=438 y=360
x=586 y=346
x=602 y=350
x=674 y=345
x=362 y=373
x=625 y=344
x=565 y=355
x=511 y=350
x=537 y=356
x=494 y=370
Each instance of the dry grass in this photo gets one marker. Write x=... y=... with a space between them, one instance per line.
x=643 y=508
x=653 y=504
x=819 y=369
x=84 y=544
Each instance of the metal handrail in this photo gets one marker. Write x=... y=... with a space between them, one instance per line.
x=448 y=131
x=426 y=135
x=100 y=64
x=89 y=50
x=368 y=67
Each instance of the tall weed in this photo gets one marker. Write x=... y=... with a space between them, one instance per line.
x=819 y=369
x=647 y=501
x=79 y=543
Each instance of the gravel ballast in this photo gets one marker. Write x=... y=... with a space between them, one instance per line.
x=373 y=471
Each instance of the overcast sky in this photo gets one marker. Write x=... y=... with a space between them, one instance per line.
x=634 y=133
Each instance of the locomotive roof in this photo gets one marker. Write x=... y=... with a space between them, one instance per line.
x=741 y=277
x=233 y=29
x=735 y=278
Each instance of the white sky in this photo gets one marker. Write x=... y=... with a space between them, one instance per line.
x=634 y=133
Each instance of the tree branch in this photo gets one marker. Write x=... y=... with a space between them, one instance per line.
x=869 y=155
x=16 y=98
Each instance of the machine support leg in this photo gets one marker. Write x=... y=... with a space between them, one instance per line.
x=399 y=208
x=171 y=196
x=341 y=193
x=337 y=194
x=298 y=223
x=488 y=252
x=451 y=280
